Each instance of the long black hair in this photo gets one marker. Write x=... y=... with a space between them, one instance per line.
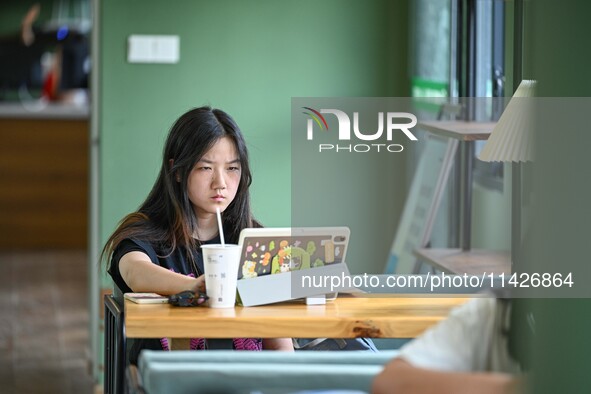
x=166 y=217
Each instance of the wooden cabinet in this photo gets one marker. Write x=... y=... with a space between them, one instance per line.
x=43 y=183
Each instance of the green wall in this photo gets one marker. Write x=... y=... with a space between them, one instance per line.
x=248 y=58
x=560 y=59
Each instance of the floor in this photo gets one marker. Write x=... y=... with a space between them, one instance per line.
x=44 y=340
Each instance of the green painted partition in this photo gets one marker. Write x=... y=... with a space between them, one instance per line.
x=248 y=58
x=560 y=60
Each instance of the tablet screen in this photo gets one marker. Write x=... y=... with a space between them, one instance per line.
x=274 y=254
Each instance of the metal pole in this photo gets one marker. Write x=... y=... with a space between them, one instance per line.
x=516 y=167
x=517 y=44
x=467 y=162
x=468 y=146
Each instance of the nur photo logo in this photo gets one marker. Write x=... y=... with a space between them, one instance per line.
x=389 y=123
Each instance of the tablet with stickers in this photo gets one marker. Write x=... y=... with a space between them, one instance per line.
x=268 y=251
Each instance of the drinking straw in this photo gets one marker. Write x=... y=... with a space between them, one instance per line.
x=220 y=229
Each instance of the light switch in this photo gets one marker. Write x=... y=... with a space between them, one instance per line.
x=153 y=49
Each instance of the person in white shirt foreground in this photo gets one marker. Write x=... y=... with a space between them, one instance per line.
x=472 y=351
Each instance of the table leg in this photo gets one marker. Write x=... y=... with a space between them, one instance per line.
x=466 y=196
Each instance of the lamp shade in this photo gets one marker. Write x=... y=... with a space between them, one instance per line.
x=511 y=138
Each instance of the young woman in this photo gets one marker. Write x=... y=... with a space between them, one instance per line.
x=157 y=249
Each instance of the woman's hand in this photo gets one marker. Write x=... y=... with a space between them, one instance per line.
x=199 y=284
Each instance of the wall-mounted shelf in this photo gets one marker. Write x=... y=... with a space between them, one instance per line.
x=17 y=110
x=460 y=130
x=466 y=132
x=464 y=259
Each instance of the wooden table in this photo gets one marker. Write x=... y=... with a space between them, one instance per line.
x=346 y=317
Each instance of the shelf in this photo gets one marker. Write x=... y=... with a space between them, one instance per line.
x=472 y=262
x=34 y=110
x=460 y=130
x=467 y=132
x=464 y=260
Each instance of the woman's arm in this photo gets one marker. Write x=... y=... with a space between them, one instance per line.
x=399 y=376
x=284 y=344
x=142 y=275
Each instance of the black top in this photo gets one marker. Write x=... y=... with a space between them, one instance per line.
x=176 y=262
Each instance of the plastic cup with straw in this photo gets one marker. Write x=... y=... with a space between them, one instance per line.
x=220 y=262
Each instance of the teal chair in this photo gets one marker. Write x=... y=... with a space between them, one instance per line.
x=222 y=371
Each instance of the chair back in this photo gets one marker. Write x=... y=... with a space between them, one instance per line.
x=115 y=346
